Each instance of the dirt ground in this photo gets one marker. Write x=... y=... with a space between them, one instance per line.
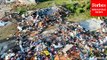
x=7 y=31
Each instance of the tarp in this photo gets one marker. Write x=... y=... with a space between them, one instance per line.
x=4 y=23
x=91 y=24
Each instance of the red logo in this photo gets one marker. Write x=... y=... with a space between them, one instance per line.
x=98 y=8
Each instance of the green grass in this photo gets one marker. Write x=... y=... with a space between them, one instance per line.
x=62 y=1
x=80 y=17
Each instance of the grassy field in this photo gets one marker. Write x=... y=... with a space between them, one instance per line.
x=79 y=17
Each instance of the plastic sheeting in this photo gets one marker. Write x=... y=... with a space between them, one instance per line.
x=91 y=24
x=2 y=23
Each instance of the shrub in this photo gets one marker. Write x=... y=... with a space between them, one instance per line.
x=71 y=8
x=80 y=10
x=88 y=6
x=21 y=10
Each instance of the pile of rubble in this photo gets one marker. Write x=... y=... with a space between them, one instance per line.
x=35 y=44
